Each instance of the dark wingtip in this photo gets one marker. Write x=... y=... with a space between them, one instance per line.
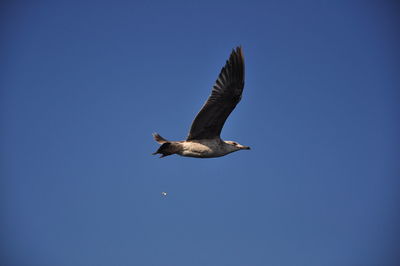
x=238 y=50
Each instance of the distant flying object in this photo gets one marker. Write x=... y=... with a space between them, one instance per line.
x=204 y=137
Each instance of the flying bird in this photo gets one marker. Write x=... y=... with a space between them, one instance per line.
x=204 y=137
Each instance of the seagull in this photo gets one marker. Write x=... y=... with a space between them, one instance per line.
x=204 y=139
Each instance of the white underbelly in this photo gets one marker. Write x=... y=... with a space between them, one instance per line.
x=206 y=149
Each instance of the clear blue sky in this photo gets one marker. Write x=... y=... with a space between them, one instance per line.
x=84 y=84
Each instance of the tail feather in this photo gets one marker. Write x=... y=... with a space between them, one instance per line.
x=159 y=139
x=166 y=149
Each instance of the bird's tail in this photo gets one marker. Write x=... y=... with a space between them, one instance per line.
x=165 y=150
x=167 y=147
x=159 y=139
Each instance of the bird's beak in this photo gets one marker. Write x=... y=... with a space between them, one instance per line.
x=246 y=148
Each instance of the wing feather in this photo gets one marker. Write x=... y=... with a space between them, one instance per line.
x=225 y=95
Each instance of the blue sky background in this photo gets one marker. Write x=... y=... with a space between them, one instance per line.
x=84 y=84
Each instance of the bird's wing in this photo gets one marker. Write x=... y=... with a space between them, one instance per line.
x=225 y=95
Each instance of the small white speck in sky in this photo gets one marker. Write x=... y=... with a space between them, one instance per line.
x=164 y=193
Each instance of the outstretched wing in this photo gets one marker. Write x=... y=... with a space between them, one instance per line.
x=225 y=95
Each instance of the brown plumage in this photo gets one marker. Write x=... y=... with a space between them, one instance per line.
x=168 y=148
x=225 y=95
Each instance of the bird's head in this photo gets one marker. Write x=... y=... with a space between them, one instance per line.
x=236 y=146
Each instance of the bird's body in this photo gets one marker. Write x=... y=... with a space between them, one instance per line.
x=204 y=148
x=204 y=137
